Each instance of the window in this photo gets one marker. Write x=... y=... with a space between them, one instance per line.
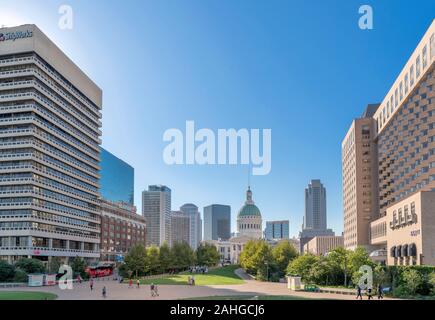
x=396 y=100
x=411 y=76
x=401 y=90
x=406 y=84
x=417 y=67
x=424 y=57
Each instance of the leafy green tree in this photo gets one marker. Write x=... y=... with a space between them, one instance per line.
x=246 y=257
x=283 y=253
x=412 y=280
x=20 y=276
x=165 y=258
x=30 y=265
x=431 y=280
x=257 y=259
x=78 y=265
x=302 y=266
x=54 y=265
x=7 y=271
x=153 y=259
x=207 y=255
x=380 y=276
x=136 y=260
x=183 y=255
x=358 y=258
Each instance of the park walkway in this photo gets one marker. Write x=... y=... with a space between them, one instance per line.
x=120 y=291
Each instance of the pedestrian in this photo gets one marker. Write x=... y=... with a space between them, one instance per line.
x=369 y=293
x=137 y=283
x=152 y=289
x=358 y=292
x=130 y=283
x=193 y=280
x=104 y=292
x=156 y=290
x=189 y=280
x=380 y=292
x=91 y=284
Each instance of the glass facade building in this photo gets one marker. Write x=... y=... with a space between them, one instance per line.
x=117 y=179
x=276 y=230
x=217 y=222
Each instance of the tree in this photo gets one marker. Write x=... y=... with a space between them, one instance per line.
x=257 y=259
x=412 y=280
x=302 y=266
x=78 y=265
x=183 y=255
x=283 y=253
x=431 y=280
x=136 y=260
x=165 y=258
x=153 y=259
x=54 y=265
x=207 y=255
x=338 y=260
x=7 y=271
x=30 y=265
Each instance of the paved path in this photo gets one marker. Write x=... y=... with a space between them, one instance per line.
x=118 y=291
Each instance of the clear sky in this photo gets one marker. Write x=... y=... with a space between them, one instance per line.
x=301 y=68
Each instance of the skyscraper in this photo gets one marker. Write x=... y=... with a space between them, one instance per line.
x=277 y=230
x=50 y=151
x=217 y=222
x=195 y=232
x=315 y=223
x=180 y=228
x=117 y=179
x=360 y=173
x=156 y=208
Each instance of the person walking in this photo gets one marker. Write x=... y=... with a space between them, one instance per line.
x=358 y=292
x=104 y=292
x=156 y=290
x=380 y=292
x=91 y=284
x=152 y=289
x=369 y=293
x=130 y=283
x=137 y=283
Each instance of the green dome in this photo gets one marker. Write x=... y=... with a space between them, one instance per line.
x=249 y=210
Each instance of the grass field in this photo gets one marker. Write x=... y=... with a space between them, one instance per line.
x=26 y=295
x=249 y=297
x=224 y=275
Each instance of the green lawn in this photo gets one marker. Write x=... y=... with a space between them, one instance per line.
x=224 y=275
x=249 y=297
x=26 y=295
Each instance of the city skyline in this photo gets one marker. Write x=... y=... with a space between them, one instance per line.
x=290 y=170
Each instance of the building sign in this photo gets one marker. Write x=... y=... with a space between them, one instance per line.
x=15 y=35
x=415 y=233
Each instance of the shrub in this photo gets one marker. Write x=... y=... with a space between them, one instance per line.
x=6 y=271
x=30 y=265
x=20 y=276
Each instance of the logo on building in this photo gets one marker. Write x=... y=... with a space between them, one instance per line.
x=16 y=35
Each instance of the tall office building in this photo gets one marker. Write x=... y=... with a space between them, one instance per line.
x=277 y=230
x=156 y=208
x=360 y=175
x=117 y=179
x=195 y=233
x=50 y=115
x=315 y=223
x=180 y=228
x=217 y=222
x=404 y=227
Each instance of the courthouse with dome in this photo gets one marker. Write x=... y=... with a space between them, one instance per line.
x=249 y=227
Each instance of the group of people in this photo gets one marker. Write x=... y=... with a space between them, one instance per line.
x=380 y=292
x=198 y=269
x=130 y=283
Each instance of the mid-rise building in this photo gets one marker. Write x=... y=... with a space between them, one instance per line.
x=180 y=227
x=156 y=208
x=277 y=230
x=321 y=245
x=360 y=176
x=315 y=223
x=50 y=119
x=121 y=229
x=195 y=230
x=217 y=222
x=117 y=179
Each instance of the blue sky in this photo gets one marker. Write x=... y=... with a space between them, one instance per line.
x=301 y=68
